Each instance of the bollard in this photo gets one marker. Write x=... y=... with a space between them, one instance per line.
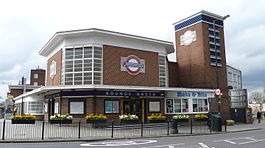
x=4 y=127
x=79 y=125
x=210 y=125
x=191 y=126
x=112 y=130
x=225 y=126
x=168 y=127
x=142 y=129
x=42 y=130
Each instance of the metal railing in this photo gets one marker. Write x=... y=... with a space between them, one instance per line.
x=43 y=130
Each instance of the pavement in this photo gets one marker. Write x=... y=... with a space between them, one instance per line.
x=133 y=133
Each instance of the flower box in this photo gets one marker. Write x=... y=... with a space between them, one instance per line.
x=201 y=119
x=129 y=121
x=157 y=121
x=181 y=120
x=96 y=121
x=61 y=121
x=22 y=121
x=96 y=118
x=157 y=118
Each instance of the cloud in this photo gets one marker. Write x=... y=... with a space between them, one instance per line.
x=30 y=24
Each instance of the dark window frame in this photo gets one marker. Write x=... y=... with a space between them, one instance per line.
x=112 y=106
x=159 y=106
x=77 y=100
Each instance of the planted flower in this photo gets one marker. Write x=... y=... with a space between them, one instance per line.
x=128 y=117
x=159 y=116
x=24 y=119
x=96 y=118
x=201 y=117
x=181 y=117
x=61 y=119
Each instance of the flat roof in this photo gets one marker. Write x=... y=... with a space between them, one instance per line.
x=59 y=36
x=201 y=12
x=45 y=89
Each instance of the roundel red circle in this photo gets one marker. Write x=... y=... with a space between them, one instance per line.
x=217 y=92
x=133 y=70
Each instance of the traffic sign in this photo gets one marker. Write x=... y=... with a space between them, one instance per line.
x=217 y=92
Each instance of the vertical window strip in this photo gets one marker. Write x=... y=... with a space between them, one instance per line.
x=217 y=41
x=84 y=70
x=162 y=71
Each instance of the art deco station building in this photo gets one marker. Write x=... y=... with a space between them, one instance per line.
x=101 y=71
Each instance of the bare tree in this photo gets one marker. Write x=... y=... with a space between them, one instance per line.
x=256 y=96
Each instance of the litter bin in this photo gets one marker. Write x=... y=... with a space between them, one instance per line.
x=216 y=123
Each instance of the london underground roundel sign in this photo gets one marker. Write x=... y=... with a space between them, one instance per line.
x=133 y=65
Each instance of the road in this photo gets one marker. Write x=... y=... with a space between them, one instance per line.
x=253 y=139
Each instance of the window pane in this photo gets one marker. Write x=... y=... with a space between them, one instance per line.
x=34 y=107
x=97 y=82
x=195 y=105
x=69 y=53
x=77 y=107
x=185 y=105
x=177 y=105
x=88 y=52
x=78 y=53
x=78 y=65
x=108 y=106
x=88 y=82
x=162 y=60
x=115 y=107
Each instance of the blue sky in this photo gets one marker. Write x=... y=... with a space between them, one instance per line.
x=25 y=26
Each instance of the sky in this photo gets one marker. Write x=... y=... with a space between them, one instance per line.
x=25 y=27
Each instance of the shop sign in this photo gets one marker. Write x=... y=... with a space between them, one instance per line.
x=53 y=69
x=103 y=93
x=187 y=38
x=133 y=65
x=192 y=94
x=123 y=93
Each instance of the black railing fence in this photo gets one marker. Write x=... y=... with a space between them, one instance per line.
x=43 y=130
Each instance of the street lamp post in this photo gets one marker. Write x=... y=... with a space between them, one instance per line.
x=216 y=64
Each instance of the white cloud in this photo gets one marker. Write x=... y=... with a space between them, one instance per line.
x=27 y=25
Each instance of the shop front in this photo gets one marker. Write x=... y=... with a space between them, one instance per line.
x=110 y=103
x=188 y=102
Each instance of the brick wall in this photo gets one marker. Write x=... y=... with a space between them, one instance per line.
x=112 y=67
x=17 y=92
x=173 y=74
x=41 y=77
x=194 y=64
x=57 y=79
